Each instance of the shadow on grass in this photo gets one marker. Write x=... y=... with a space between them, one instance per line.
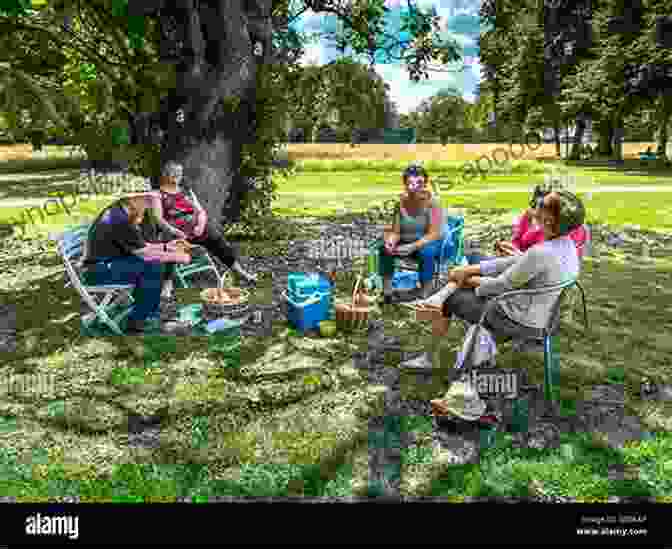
x=40 y=165
x=623 y=331
x=42 y=188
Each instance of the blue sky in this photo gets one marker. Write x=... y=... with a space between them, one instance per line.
x=459 y=20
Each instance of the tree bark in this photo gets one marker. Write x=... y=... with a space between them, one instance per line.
x=556 y=137
x=605 y=134
x=217 y=63
x=665 y=113
x=617 y=136
x=578 y=139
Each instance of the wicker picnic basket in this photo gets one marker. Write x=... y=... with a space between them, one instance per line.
x=354 y=315
x=224 y=302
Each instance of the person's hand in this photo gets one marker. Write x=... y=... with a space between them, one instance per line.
x=405 y=249
x=506 y=248
x=391 y=242
x=458 y=275
x=178 y=245
x=202 y=221
x=510 y=250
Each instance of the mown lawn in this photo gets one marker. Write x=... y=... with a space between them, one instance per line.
x=288 y=415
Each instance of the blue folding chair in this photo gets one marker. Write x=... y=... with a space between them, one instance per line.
x=451 y=254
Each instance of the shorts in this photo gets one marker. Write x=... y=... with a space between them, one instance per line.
x=464 y=304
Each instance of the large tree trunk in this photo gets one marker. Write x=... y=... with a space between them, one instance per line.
x=605 y=132
x=556 y=137
x=617 y=148
x=665 y=114
x=216 y=64
x=578 y=138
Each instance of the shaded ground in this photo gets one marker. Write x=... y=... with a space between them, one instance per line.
x=295 y=416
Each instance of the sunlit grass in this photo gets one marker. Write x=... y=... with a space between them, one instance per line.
x=627 y=340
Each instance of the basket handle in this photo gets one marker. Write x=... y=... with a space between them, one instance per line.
x=354 y=292
x=309 y=301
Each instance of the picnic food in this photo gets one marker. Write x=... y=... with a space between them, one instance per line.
x=184 y=246
x=221 y=295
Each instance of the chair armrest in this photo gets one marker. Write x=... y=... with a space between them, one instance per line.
x=529 y=291
x=543 y=290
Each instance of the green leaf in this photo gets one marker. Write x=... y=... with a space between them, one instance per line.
x=15 y=8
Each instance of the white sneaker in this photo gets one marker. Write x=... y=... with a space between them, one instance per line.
x=167 y=291
x=424 y=361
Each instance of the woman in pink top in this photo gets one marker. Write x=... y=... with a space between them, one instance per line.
x=527 y=232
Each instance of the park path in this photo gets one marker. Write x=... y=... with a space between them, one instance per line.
x=26 y=203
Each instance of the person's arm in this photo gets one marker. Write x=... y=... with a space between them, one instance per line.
x=434 y=229
x=394 y=235
x=201 y=214
x=496 y=266
x=129 y=239
x=163 y=224
x=520 y=227
x=579 y=236
x=473 y=281
x=523 y=269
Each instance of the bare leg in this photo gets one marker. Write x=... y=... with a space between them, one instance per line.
x=440 y=326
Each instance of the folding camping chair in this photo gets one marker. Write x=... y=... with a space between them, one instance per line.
x=72 y=248
x=451 y=254
x=551 y=361
x=200 y=263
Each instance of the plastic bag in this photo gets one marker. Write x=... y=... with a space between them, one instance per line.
x=485 y=348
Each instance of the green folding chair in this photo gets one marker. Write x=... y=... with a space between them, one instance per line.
x=551 y=358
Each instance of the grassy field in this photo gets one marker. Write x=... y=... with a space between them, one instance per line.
x=289 y=416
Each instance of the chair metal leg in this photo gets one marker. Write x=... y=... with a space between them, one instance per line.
x=551 y=371
x=104 y=317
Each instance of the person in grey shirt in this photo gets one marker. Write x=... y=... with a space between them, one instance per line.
x=552 y=262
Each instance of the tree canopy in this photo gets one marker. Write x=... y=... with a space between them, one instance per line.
x=570 y=60
x=226 y=66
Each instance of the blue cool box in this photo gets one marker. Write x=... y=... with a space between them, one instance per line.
x=309 y=298
x=405 y=279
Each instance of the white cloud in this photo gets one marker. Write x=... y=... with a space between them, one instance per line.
x=403 y=91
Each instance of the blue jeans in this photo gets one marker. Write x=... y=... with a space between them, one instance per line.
x=131 y=270
x=426 y=256
x=473 y=259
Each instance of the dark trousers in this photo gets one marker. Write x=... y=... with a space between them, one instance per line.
x=214 y=243
x=133 y=270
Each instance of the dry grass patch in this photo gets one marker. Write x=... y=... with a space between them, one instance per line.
x=430 y=151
